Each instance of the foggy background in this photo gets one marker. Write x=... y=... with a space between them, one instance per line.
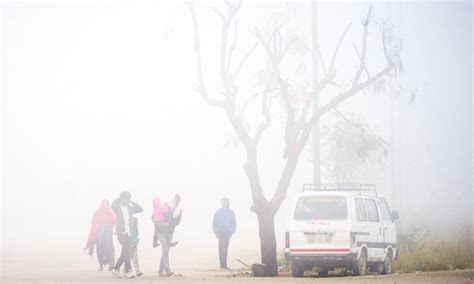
x=99 y=98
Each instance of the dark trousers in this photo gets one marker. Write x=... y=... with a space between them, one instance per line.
x=165 y=253
x=223 y=248
x=125 y=255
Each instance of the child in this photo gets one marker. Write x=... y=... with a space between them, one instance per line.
x=161 y=222
x=134 y=247
x=161 y=225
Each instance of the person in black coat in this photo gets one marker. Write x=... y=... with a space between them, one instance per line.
x=124 y=209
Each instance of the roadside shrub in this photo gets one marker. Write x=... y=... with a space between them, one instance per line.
x=282 y=263
x=421 y=251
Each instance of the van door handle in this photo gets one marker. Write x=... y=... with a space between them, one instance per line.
x=380 y=230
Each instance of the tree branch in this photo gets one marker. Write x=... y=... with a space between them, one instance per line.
x=316 y=91
x=364 y=47
x=275 y=66
x=253 y=97
x=219 y=14
x=338 y=99
x=284 y=182
x=347 y=120
x=336 y=51
x=292 y=130
x=268 y=119
x=197 y=49
x=321 y=59
x=360 y=58
x=291 y=163
x=243 y=60
x=232 y=46
x=327 y=79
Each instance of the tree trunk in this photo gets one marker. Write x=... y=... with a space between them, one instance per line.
x=267 y=241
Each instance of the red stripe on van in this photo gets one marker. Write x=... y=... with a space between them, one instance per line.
x=322 y=250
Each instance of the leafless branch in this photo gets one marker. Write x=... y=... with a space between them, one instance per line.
x=360 y=58
x=340 y=98
x=219 y=14
x=336 y=50
x=253 y=98
x=343 y=116
x=232 y=46
x=364 y=47
x=316 y=91
x=197 y=49
x=321 y=59
x=267 y=116
x=243 y=60
x=275 y=66
x=328 y=79
x=385 y=49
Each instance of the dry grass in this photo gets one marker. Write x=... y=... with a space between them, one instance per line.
x=422 y=251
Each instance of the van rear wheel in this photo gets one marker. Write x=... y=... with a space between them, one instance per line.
x=360 y=265
x=297 y=269
x=388 y=263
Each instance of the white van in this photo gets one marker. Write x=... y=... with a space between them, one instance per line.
x=341 y=225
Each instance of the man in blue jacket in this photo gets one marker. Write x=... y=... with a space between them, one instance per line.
x=224 y=227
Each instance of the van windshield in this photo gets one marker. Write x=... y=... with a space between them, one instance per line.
x=321 y=207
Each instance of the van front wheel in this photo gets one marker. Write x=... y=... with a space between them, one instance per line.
x=360 y=265
x=297 y=269
x=323 y=272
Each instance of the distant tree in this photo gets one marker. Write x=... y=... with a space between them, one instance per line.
x=277 y=42
x=347 y=145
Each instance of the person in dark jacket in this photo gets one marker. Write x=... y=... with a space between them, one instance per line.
x=134 y=239
x=224 y=226
x=124 y=209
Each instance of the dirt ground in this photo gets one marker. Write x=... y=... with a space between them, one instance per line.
x=236 y=276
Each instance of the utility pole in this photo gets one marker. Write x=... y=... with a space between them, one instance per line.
x=393 y=140
x=315 y=75
x=395 y=127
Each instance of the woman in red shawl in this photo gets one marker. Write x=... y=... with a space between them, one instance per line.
x=100 y=235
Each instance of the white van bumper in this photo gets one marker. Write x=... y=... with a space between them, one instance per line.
x=340 y=256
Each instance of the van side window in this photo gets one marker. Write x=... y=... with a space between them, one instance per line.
x=361 y=214
x=372 y=210
x=385 y=211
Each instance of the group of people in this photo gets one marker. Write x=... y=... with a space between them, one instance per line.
x=118 y=219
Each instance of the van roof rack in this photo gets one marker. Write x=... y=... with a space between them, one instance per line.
x=341 y=187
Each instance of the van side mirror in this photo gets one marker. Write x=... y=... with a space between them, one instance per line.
x=395 y=215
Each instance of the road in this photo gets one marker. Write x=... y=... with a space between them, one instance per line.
x=216 y=276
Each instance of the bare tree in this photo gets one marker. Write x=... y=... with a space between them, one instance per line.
x=298 y=124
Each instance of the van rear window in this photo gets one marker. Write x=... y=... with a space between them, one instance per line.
x=321 y=207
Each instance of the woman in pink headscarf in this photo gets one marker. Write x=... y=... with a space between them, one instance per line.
x=100 y=235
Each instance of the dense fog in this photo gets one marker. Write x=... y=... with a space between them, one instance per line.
x=99 y=97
